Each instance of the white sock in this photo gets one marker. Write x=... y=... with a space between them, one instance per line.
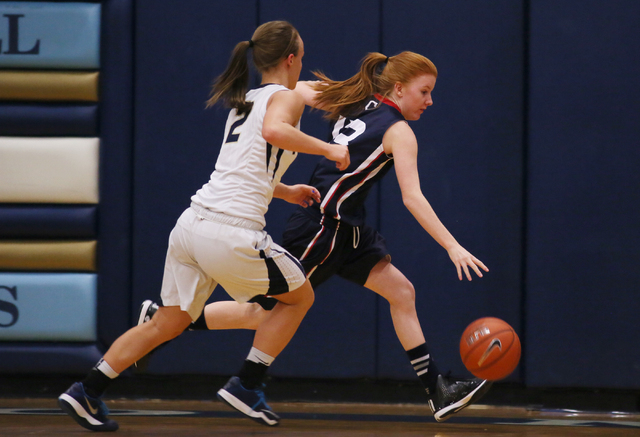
x=260 y=357
x=105 y=368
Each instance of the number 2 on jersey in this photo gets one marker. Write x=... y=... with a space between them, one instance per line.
x=233 y=135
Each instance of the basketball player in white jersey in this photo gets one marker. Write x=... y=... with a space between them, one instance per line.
x=220 y=239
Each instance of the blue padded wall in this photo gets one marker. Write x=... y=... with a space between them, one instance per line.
x=79 y=222
x=109 y=221
x=52 y=307
x=584 y=195
x=116 y=140
x=38 y=37
x=470 y=163
x=47 y=358
x=176 y=146
x=48 y=120
x=50 y=35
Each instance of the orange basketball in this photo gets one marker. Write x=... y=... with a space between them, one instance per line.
x=490 y=348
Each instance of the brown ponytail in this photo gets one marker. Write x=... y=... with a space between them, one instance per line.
x=378 y=74
x=271 y=42
x=231 y=86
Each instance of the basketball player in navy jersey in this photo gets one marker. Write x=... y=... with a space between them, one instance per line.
x=370 y=113
x=220 y=238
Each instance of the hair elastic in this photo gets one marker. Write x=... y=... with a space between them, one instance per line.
x=387 y=60
x=251 y=43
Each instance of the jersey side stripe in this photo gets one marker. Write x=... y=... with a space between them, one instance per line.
x=333 y=244
x=313 y=242
x=275 y=168
x=355 y=188
x=361 y=168
x=269 y=147
x=277 y=281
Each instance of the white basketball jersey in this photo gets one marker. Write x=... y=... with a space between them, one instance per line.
x=248 y=168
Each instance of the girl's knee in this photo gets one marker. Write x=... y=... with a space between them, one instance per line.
x=169 y=324
x=308 y=300
x=165 y=331
x=403 y=295
x=307 y=297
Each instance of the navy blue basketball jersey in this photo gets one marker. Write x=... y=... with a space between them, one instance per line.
x=344 y=192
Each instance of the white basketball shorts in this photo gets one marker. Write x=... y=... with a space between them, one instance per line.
x=208 y=248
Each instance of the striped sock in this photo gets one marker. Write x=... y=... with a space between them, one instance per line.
x=424 y=366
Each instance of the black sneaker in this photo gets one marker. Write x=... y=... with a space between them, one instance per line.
x=89 y=412
x=249 y=402
x=452 y=395
x=145 y=313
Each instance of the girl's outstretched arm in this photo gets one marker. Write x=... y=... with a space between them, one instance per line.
x=401 y=142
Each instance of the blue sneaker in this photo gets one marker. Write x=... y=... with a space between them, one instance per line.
x=249 y=402
x=88 y=412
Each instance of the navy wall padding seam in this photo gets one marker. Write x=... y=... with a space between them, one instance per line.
x=47 y=358
x=470 y=137
x=48 y=222
x=584 y=195
x=340 y=306
x=116 y=142
x=50 y=120
x=176 y=144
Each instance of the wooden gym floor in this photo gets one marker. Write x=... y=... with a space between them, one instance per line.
x=41 y=417
x=500 y=413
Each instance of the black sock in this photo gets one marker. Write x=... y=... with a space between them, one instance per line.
x=425 y=367
x=95 y=383
x=252 y=374
x=198 y=325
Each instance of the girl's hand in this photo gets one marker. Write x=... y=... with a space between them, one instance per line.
x=463 y=260
x=303 y=195
x=339 y=154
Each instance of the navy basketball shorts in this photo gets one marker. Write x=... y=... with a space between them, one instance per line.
x=333 y=248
